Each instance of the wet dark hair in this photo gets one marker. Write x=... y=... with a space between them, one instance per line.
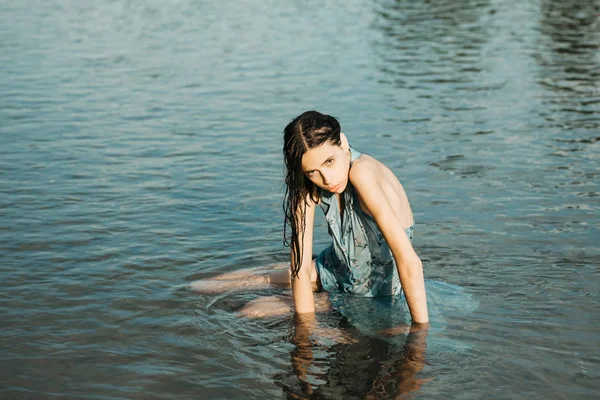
x=308 y=130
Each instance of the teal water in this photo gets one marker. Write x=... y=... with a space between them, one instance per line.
x=141 y=150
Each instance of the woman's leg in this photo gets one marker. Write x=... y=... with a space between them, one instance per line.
x=253 y=278
x=283 y=276
x=272 y=306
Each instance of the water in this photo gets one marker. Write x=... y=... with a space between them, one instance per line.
x=141 y=150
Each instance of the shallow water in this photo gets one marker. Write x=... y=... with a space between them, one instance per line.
x=141 y=150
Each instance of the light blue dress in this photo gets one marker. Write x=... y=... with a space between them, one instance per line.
x=359 y=261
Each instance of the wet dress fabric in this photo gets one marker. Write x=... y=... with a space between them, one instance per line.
x=358 y=261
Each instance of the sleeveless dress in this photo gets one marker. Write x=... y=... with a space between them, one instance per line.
x=358 y=261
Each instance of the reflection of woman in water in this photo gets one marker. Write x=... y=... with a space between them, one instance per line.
x=370 y=222
x=362 y=367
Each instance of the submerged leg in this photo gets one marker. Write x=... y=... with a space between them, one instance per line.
x=251 y=278
x=272 y=306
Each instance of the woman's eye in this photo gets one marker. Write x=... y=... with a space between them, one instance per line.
x=310 y=173
x=329 y=162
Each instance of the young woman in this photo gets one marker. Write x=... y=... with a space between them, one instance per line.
x=369 y=217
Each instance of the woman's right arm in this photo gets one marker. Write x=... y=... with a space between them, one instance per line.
x=304 y=300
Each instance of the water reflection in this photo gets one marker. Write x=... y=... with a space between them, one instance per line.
x=428 y=46
x=357 y=366
x=569 y=62
x=434 y=72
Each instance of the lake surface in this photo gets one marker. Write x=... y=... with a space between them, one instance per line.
x=141 y=150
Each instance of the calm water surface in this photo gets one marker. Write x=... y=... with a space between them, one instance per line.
x=141 y=150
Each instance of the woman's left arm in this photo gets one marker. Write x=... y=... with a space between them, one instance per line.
x=368 y=183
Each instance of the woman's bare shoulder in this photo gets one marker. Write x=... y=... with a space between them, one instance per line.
x=367 y=169
x=373 y=180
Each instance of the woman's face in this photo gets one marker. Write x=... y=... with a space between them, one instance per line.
x=327 y=166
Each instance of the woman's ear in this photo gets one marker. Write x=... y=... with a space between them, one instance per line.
x=344 y=140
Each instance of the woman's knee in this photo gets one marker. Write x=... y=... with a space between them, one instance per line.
x=266 y=307
x=281 y=278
